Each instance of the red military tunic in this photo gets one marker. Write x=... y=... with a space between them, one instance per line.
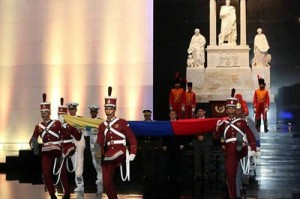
x=68 y=132
x=50 y=134
x=176 y=100
x=190 y=104
x=261 y=101
x=227 y=129
x=114 y=135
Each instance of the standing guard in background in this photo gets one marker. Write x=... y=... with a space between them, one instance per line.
x=93 y=134
x=238 y=137
x=68 y=135
x=112 y=140
x=148 y=146
x=190 y=102
x=176 y=98
x=78 y=157
x=201 y=148
x=173 y=153
x=261 y=104
x=49 y=131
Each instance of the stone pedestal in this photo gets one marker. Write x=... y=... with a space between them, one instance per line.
x=197 y=76
x=226 y=55
x=213 y=84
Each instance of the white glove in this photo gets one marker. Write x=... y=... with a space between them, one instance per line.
x=131 y=157
x=183 y=108
x=193 y=110
x=251 y=153
x=170 y=108
x=266 y=109
x=254 y=110
x=61 y=119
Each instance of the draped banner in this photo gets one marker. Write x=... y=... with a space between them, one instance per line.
x=82 y=122
x=154 y=128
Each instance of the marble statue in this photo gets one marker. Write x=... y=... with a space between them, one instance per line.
x=190 y=61
x=261 y=48
x=228 y=24
x=196 y=48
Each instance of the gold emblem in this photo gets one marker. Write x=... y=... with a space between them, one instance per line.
x=220 y=108
x=116 y=126
x=238 y=105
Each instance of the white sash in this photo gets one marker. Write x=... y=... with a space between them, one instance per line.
x=47 y=129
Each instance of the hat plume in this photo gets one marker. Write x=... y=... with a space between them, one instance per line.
x=232 y=92
x=61 y=101
x=44 y=97
x=109 y=91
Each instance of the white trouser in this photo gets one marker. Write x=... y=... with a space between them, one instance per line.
x=79 y=154
x=96 y=163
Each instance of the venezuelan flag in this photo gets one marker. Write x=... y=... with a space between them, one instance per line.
x=153 y=128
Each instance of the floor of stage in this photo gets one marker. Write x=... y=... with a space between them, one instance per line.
x=154 y=190
x=277 y=177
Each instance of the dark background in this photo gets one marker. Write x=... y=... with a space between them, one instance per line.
x=174 y=25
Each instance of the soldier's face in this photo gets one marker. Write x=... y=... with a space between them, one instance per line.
x=231 y=110
x=201 y=113
x=94 y=114
x=72 y=112
x=173 y=115
x=262 y=86
x=110 y=111
x=147 y=117
x=45 y=115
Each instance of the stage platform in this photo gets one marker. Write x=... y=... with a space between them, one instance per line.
x=277 y=175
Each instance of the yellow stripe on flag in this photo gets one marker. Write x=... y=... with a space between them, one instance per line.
x=82 y=122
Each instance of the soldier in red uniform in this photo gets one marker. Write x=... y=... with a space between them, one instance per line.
x=49 y=131
x=113 y=136
x=238 y=137
x=190 y=102
x=261 y=103
x=67 y=133
x=176 y=99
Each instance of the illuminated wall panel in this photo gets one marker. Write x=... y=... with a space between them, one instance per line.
x=75 y=50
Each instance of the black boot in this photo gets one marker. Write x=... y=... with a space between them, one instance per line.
x=53 y=196
x=266 y=126
x=257 y=124
x=66 y=196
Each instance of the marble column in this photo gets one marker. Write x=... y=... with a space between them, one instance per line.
x=243 y=22
x=213 y=23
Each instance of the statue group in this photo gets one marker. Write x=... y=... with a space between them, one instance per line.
x=228 y=37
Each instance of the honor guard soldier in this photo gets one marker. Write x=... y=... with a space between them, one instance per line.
x=78 y=158
x=68 y=135
x=113 y=137
x=261 y=103
x=49 y=131
x=238 y=137
x=93 y=134
x=176 y=98
x=190 y=102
